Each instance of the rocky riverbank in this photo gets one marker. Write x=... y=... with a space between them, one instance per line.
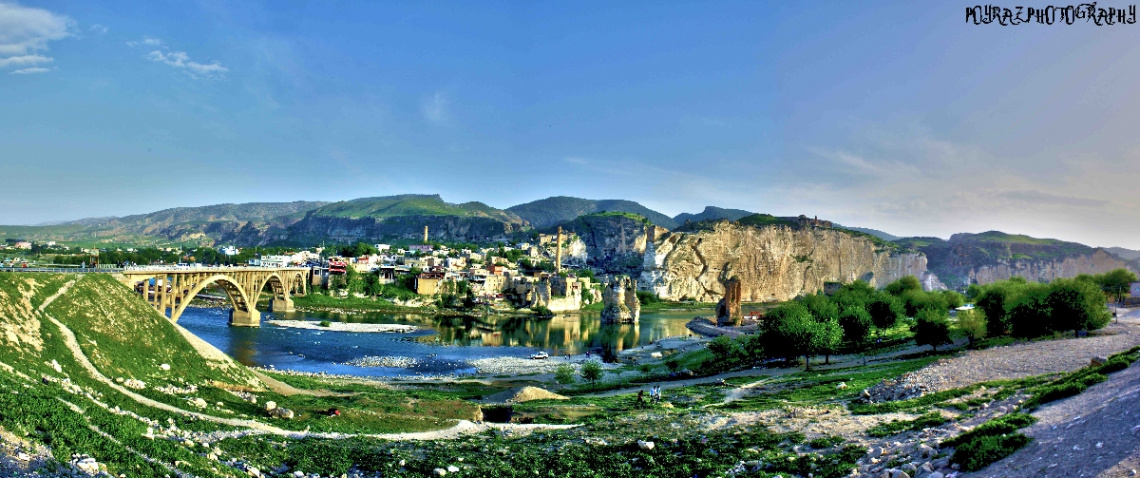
x=345 y=326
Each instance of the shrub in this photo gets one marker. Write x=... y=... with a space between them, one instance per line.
x=979 y=453
x=591 y=371
x=321 y=457
x=990 y=442
x=325 y=323
x=895 y=427
x=826 y=441
x=564 y=374
x=972 y=323
x=646 y=297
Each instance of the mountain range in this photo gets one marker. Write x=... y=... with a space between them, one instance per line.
x=961 y=258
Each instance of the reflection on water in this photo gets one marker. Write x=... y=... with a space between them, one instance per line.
x=442 y=345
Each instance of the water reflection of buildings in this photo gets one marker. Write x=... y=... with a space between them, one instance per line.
x=565 y=333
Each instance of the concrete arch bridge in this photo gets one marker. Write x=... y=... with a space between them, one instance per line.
x=170 y=289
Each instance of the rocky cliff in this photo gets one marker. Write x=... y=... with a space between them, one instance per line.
x=993 y=256
x=440 y=228
x=773 y=262
x=615 y=242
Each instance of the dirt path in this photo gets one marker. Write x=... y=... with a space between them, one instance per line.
x=463 y=427
x=1031 y=358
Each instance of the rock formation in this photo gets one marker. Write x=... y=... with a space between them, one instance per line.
x=614 y=244
x=772 y=263
x=621 y=304
x=728 y=309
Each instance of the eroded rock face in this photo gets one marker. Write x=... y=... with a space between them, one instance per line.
x=621 y=304
x=614 y=244
x=772 y=263
x=1098 y=262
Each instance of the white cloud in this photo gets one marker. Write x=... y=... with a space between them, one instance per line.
x=24 y=60
x=435 y=107
x=146 y=41
x=100 y=29
x=25 y=32
x=31 y=71
x=182 y=61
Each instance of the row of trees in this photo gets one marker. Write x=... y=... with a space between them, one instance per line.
x=857 y=315
x=851 y=319
x=1023 y=309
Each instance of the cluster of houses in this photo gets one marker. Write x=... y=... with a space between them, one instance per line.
x=491 y=277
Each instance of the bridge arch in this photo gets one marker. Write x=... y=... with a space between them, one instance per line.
x=243 y=311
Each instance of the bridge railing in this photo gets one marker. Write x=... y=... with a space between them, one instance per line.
x=67 y=270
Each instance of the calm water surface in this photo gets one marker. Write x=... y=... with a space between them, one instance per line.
x=441 y=346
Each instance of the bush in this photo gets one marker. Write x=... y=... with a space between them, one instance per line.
x=826 y=441
x=322 y=457
x=325 y=323
x=990 y=442
x=591 y=371
x=646 y=297
x=895 y=427
x=564 y=374
x=979 y=453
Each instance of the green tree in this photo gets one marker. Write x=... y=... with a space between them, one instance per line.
x=885 y=310
x=790 y=331
x=993 y=304
x=932 y=328
x=903 y=285
x=1031 y=315
x=591 y=371
x=972 y=323
x=1077 y=305
x=1117 y=281
x=821 y=307
x=953 y=299
x=564 y=374
x=855 y=294
x=856 y=323
x=915 y=300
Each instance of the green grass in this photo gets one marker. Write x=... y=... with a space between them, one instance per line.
x=894 y=427
x=814 y=388
x=990 y=441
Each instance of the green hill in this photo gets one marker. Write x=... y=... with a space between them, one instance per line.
x=560 y=209
x=712 y=213
x=74 y=345
x=409 y=205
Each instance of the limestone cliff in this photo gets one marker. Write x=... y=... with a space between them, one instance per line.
x=772 y=262
x=614 y=242
x=993 y=256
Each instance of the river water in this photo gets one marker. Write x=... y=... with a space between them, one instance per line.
x=441 y=346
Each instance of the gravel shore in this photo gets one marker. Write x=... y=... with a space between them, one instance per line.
x=345 y=327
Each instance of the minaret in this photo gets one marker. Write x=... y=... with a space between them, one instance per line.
x=558 y=255
x=425 y=235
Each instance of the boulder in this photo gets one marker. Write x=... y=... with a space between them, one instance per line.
x=281 y=413
x=165 y=367
x=1097 y=361
x=270 y=405
x=645 y=445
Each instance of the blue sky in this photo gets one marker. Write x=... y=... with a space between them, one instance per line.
x=892 y=115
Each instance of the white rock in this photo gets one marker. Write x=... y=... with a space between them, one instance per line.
x=165 y=367
x=55 y=366
x=270 y=405
x=645 y=445
x=439 y=471
x=453 y=469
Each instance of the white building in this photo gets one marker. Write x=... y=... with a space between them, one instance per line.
x=229 y=250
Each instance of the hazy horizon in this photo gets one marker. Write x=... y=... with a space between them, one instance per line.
x=890 y=115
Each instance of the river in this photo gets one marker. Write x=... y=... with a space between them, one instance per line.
x=440 y=346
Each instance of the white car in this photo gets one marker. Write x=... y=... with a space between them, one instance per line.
x=540 y=356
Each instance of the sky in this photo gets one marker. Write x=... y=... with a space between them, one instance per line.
x=898 y=116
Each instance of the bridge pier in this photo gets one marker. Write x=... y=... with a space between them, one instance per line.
x=245 y=318
x=278 y=304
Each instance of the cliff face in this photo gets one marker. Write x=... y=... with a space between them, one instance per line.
x=772 y=262
x=993 y=256
x=1098 y=262
x=613 y=243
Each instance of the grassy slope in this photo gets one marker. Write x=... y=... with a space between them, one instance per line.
x=406 y=205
